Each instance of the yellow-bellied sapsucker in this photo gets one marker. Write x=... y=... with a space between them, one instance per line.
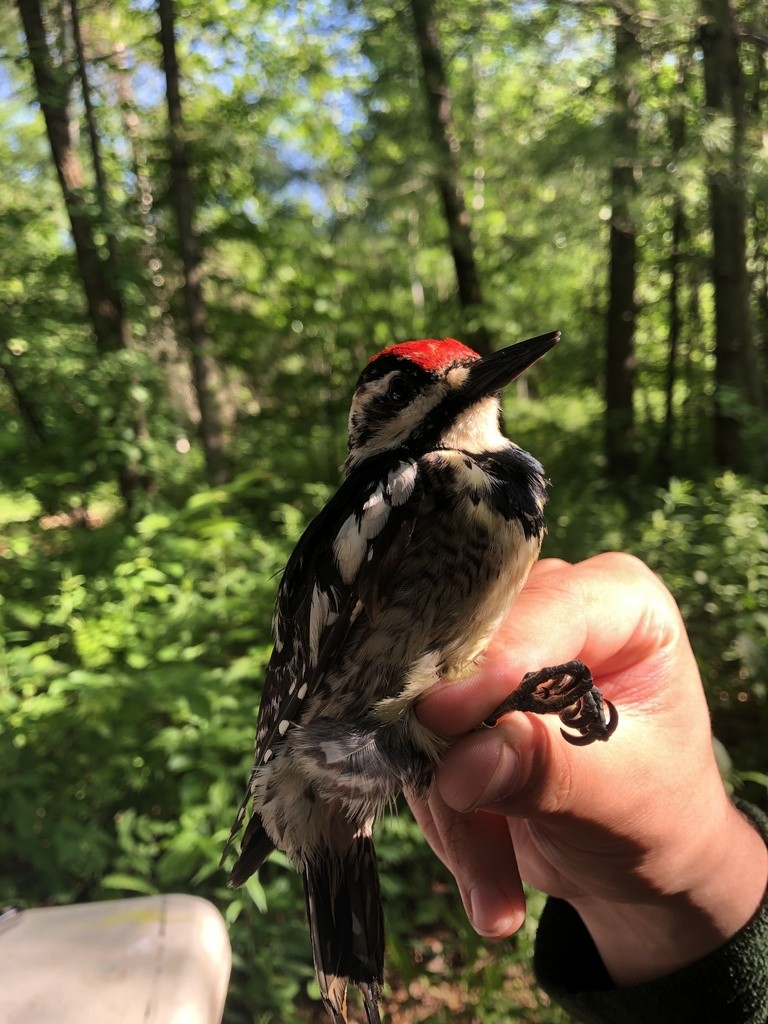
x=398 y=583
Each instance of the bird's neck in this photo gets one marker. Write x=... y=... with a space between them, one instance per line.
x=476 y=429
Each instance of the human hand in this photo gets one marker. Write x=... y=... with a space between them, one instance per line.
x=637 y=833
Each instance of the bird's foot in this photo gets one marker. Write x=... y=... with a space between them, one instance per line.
x=568 y=691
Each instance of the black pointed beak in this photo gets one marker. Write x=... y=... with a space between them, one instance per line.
x=489 y=375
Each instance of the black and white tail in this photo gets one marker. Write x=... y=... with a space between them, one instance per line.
x=347 y=927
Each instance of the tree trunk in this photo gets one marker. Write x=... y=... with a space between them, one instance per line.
x=760 y=276
x=27 y=411
x=414 y=246
x=693 y=416
x=101 y=286
x=53 y=92
x=622 y=309
x=102 y=191
x=446 y=148
x=666 y=457
x=677 y=132
x=106 y=217
x=738 y=381
x=200 y=345
x=151 y=254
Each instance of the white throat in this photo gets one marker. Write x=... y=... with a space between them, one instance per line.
x=477 y=429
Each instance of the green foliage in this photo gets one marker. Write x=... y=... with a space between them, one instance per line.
x=710 y=543
x=129 y=673
x=133 y=643
x=115 y=682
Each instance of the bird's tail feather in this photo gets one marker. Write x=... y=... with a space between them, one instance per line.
x=256 y=847
x=347 y=927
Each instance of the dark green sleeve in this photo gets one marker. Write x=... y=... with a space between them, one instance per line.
x=729 y=986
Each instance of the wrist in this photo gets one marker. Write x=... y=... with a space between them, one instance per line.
x=670 y=927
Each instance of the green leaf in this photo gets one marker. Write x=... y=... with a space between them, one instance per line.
x=256 y=891
x=129 y=883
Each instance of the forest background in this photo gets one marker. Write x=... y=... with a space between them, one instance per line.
x=211 y=215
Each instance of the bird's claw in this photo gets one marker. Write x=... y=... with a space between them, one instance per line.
x=568 y=691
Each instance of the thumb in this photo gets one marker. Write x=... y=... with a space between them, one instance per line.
x=517 y=768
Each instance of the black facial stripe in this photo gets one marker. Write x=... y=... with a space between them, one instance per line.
x=375 y=416
x=439 y=419
x=408 y=380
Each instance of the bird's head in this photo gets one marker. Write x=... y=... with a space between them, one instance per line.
x=422 y=395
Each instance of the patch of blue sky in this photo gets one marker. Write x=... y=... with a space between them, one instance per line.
x=308 y=193
x=17 y=113
x=148 y=85
x=7 y=87
x=224 y=59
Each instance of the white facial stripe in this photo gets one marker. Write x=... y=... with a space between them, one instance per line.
x=474 y=430
x=373 y=390
x=379 y=386
x=395 y=431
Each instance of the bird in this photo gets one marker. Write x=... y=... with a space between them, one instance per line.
x=399 y=582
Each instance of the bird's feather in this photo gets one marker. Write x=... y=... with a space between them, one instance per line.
x=347 y=927
x=315 y=606
x=327 y=584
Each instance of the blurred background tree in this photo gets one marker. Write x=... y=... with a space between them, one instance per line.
x=211 y=214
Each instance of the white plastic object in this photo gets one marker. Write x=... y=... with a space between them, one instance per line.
x=150 y=960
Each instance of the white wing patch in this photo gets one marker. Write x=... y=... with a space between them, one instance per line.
x=400 y=482
x=375 y=512
x=351 y=544
x=303 y=628
x=349 y=548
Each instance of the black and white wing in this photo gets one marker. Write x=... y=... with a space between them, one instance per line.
x=332 y=577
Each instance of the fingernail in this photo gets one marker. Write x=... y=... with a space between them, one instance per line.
x=502 y=781
x=485 y=915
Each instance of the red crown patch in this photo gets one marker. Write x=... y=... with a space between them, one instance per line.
x=430 y=353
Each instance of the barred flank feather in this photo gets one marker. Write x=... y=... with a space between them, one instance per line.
x=347 y=927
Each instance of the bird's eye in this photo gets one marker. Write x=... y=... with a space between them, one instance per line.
x=400 y=390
